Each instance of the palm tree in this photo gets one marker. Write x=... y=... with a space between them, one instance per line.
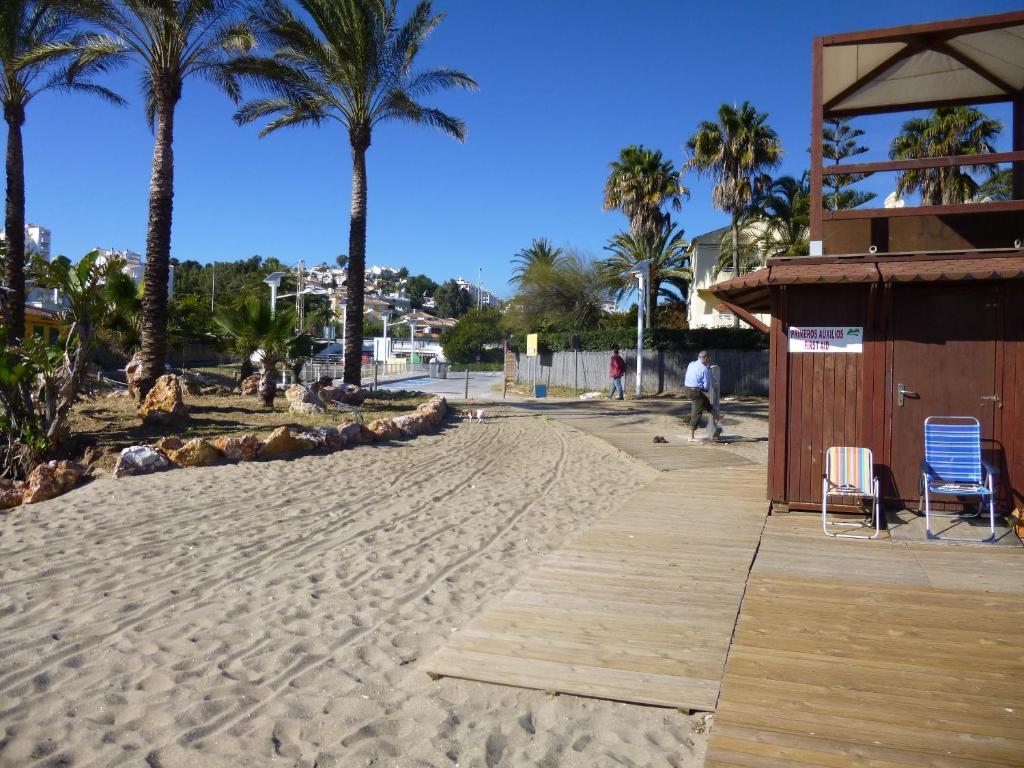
x=778 y=224
x=666 y=253
x=271 y=334
x=171 y=41
x=353 y=65
x=640 y=183
x=568 y=295
x=38 y=48
x=998 y=186
x=540 y=253
x=948 y=131
x=736 y=152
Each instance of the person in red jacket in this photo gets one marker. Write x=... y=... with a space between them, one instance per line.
x=616 y=370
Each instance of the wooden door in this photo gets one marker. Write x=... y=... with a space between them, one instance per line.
x=944 y=358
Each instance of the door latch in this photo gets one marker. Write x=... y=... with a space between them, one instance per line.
x=902 y=392
x=994 y=398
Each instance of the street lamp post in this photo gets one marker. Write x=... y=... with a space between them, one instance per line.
x=274 y=281
x=641 y=271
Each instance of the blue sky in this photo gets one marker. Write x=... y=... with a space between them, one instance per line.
x=563 y=86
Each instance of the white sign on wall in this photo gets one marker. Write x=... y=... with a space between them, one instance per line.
x=826 y=338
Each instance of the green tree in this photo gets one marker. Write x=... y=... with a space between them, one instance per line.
x=946 y=132
x=354 y=65
x=120 y=327
x=418 y=287
x=666 y=252
x=171 y=42
x=736 y=151
x=541 y=252
x=40 y=383
x=998 y=186
x=272 y=334
x=568 y=296
x=640 y=183
x=777 y=225
x=466 y=340
x=451 y=300
x=342 y=260
x=39 y=51
x=839 y=143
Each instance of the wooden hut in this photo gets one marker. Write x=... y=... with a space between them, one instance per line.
x=900 y=313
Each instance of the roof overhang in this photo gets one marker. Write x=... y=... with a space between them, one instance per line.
x=962 y=61
x=752 y=292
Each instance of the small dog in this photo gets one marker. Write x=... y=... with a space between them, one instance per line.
x=478 y=413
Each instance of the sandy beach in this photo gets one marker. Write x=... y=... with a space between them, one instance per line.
x=279 y=613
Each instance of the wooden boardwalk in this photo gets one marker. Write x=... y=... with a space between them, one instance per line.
x=874 y=654
x=642 y=605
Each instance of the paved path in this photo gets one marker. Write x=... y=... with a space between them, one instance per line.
x=641 y=606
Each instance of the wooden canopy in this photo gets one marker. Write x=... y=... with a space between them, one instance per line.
x=962 y=61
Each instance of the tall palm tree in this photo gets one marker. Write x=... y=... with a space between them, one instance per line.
x=666 y=252
x=640 y=183
x=540 y=252
x=38 y=48
x=947 y=131
x=171 y=41
x=256 y=327
x=355 y=65
x=737 y=151
x=777 y=224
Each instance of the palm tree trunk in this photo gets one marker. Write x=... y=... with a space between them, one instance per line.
x=735 y=258
x=14 y=271
x=268 y=384
x=153 y=325
x=356 y=260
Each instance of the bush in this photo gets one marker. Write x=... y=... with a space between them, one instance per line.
x=474 y=336
x=665 y=339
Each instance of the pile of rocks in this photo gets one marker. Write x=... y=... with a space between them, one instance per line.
x=282 y=442
x=46 y=481
x=319 y=396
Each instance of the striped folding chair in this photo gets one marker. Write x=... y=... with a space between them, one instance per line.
x=952 y=466
x=850 y=472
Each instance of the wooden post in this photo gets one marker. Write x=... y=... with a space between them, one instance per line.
x=467 y=383
x=1018 y=146
x=374 y=375
x=817 y=134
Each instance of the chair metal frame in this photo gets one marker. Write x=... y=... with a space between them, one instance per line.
x=828 y=488
x=982 y=488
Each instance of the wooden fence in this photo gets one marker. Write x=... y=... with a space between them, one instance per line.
x=744 y=372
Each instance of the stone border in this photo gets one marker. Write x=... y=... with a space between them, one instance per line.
x=54 y=478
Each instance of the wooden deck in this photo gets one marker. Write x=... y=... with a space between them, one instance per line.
x=642 y=605
x=874 y=654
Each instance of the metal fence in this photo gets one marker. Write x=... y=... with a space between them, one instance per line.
x=743 y=371
x=314 y=368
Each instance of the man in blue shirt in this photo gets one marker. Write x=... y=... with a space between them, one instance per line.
x=696 y=385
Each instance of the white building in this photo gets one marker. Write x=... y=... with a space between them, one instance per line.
x=480 y=295
x=703 y=311
x=134 y=265
x=37 y=240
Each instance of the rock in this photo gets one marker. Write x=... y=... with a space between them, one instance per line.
x=133 y=374
x=434 y=410
x=164 y=403
x=357 y=434
x=251 y=384
x=141 y=460
x=167 y=445
x=214 y=389
x=195 y=453
x=332 y=439
x=238 y=447
x=412 y=424
x=11 y=493
x=385 y=429
x=193 y=387
x=349 y=394
x=47 y=481
x=302 y=400
x=323 y=381
x=283 y=443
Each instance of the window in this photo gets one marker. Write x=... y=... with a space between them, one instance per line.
x=54 y=336
x=37 y=331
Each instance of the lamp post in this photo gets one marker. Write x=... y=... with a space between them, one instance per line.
x=274 y=281
x=641 y=271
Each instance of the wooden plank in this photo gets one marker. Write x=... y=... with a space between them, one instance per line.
x=924 y=162
x=874 y=653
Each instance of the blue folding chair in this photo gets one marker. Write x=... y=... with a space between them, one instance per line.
x=952 y=466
